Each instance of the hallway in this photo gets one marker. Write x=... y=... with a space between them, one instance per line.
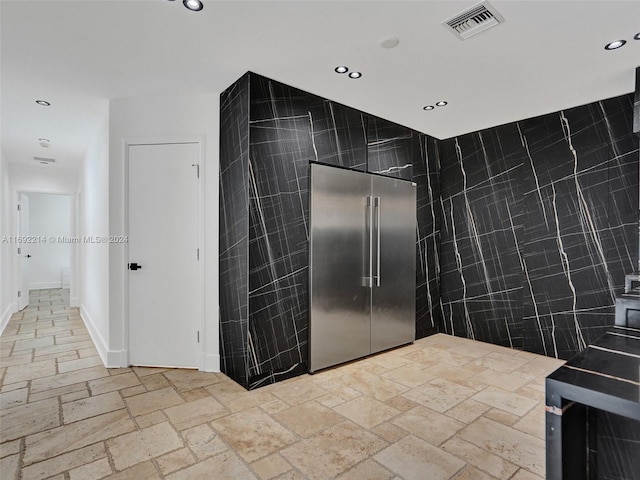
x=441 y=408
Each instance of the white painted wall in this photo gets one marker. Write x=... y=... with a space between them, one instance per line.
x=93 y=222
x=7 y=297
x=156 y=120
x=49 y=220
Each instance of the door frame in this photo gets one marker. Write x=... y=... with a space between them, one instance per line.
x=75 y=250
x=200 y=294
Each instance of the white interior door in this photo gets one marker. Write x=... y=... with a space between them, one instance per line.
x=163 y=242
x=23 y=251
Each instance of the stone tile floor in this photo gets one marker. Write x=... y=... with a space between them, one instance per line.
x=442 y=408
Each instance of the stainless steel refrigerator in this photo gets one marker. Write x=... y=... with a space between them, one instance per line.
x=362 y=264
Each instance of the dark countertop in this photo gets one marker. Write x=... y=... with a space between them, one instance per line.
x=605 y=375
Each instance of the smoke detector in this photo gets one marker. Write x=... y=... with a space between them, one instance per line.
x=44 y=160
x=473 y=21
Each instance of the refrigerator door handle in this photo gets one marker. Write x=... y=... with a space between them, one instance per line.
x=376 y=203
x=368 y=279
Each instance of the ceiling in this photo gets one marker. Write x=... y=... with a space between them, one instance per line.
x=78 y=54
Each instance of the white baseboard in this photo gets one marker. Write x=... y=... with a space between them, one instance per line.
x=110 y=358
x=211 y=363
x=6 y=316
x=43 y=285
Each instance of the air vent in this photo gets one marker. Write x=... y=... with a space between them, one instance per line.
x=474 y=20
x=44 y=160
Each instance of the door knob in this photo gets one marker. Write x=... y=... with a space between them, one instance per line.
x=134 y=266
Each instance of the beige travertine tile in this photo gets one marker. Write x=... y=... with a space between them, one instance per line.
x=501 y=362
x=70 y=397
x=60 y=357
x=88 y=352
x=226 y=465
x=408 y=375
x=506 y=381
x=152 y=401
x=533 y=422
x=507 y=401
x=90 y=407
x=270 y=467
x=154 y=382
x=32 y=343
x=253 y=434
x=297 y=391
x=29 y=371
x=471 y=473
x=369 y=469
x=152 y=418
x=54 y=392
x=492 y=464
x=72 y=339
x=185 y=380
x=513 y=445
x=467 y=410
x=195 y=394
x=236 y=398
x=91 y=471
x=141 y=471
x=415 y=459
x=64 y=462
x=10 y=466
x=203 y=441
x=13 y=398
x=428 y=424
x=439 y=394
x=389 y=432
x=79 y=364
x=76 y=435
x=12 y=360
x=144 y=371
x=9 y=448
x=61 y=348
x=131 y=391
x=308 y=418
x=366 y=411
x=194 y=413
x=338 y=389
x=333 y=451
x=175 y=461
x=374 y=386
x=523 y=474
x=389 y=361
x=277 y=405
x=113 y=383
x=64 y=379
x=27 y=419
x=136 y=447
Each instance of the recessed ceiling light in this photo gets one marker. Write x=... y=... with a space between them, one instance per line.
x=614 y=45
x=636 y=36
x=194 y=5
x=389 y=42
x=342 y=69
x=428 y=107
x=355 y=75
x=441 y=103
x=43 y=103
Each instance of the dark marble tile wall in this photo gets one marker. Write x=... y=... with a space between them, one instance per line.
x=390 y=148
x=282 y=144
x=234 y=230
x=426 y=174
x=539 y=227
x=289 y=129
